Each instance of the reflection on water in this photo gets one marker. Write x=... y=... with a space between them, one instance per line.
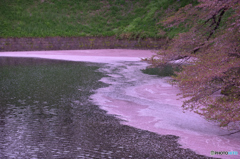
x=9 y=61
x=45 y=112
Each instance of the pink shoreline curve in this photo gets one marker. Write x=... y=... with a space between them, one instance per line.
x=144 y=116
x=98 y=56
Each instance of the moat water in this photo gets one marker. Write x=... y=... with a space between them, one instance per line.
x=63 y=109
x=46 y=112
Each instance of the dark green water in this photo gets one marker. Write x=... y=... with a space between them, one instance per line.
x=45 y=112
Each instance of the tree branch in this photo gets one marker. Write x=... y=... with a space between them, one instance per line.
x=231 y=133
x=222 y=11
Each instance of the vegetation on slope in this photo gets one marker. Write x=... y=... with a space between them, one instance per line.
x=211 y=79
x=66 y=18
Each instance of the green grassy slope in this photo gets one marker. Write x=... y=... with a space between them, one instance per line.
x=122 y=18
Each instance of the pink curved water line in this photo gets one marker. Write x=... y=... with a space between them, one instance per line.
x=162 y=115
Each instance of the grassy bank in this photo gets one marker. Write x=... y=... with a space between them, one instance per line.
x=72 y=18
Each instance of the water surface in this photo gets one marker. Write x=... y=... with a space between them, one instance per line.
x=46 y=112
